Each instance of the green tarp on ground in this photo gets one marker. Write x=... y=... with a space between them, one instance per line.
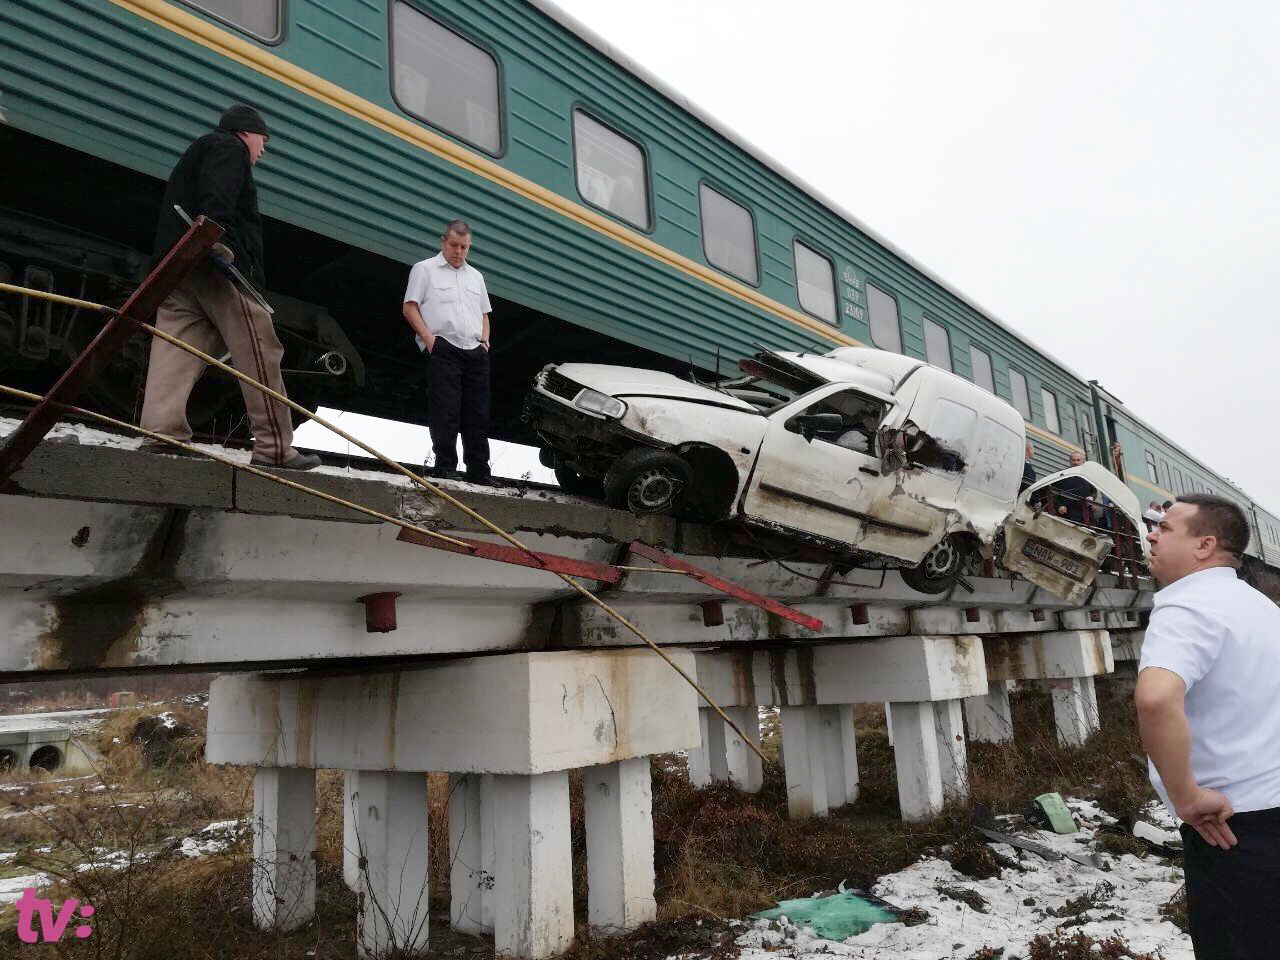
x=837 y=917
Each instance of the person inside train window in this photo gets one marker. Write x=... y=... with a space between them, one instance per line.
x=446 y=304
x=1072 y=496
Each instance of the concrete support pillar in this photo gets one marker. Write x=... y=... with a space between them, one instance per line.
x=730 y=758
x=1075 y=710
x=840 y=754
x=888 y=722
x=805 y=765
x=915 y=748
x=350 y=845
x=471 y=828
x=393 y=886
x=953 y=758
x=700 y=756
x=533 y=868
x=990 y=718
x=284 y=839
x=618 y=810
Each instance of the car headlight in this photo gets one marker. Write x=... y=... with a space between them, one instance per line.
x=593 y=401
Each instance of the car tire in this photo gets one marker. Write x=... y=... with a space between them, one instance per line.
x=940 y=568
x=644 y=480
x=571 y=481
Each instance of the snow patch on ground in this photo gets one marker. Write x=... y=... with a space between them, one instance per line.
x=215 y=838
x=1128 y=899
x=11 y=887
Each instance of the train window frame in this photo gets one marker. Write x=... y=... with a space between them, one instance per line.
x=468 y=37
x=869 y=285
x=991 y=370
x=1026 y=393
x=925 y=322
x=1049 y=402
x=598 y=117
x=799 y=241
x=1152 y=473
x=755 y=231
x=281 y=19
x=1166 y=475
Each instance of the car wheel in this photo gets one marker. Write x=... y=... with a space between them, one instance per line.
x=571 y=481
x=643 y=480
x=939 y=569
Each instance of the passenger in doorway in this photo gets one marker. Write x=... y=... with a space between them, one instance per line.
x=214 y=178
x=1206 y=699
x=447 y=306
x=1153 y=515
x=1073 y=496
x=1028 y=468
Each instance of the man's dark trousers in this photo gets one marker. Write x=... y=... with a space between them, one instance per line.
x=1233 y=895
x=458 y=397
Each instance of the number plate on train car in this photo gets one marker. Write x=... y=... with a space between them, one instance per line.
x=1064 y=564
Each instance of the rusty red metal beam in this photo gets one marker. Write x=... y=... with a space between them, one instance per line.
x=604 y=572
x=141 y=305
x=724 y=586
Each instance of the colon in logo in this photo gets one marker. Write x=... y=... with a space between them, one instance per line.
x=51 y=928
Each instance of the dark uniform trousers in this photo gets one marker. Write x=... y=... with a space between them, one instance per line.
x=1233 y=896
x=458 y=399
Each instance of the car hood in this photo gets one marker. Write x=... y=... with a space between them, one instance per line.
x=1106 y=482
x=638 y=382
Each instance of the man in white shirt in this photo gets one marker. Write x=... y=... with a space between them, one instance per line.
x=1208 y=700
x=446 y=304
x=1153 y=514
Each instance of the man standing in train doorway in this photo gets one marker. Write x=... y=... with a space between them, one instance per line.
x=447 y=306
x=214 y=178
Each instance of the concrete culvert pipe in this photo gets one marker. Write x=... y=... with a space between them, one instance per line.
x=46 y=758
x=7 y=760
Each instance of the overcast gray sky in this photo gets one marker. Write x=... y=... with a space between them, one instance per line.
x=1102 y=176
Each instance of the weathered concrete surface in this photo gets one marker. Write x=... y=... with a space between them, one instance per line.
x=284 y=840
x=1048 y=656
x=519 y=714
x=1127 y=644
x=866 y=671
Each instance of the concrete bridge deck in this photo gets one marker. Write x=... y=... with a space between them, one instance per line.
x=114 y=559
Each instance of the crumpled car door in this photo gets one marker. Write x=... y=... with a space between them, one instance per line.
x=1058 y=554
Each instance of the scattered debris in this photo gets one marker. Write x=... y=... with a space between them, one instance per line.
x=1050 y=810
x=836 y=917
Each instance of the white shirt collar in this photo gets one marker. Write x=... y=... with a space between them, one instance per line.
x=440 y=261
x=1191 y=579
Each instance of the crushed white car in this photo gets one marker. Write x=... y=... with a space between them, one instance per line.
x=873 y=456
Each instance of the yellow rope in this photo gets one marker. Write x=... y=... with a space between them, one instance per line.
x=397 y=467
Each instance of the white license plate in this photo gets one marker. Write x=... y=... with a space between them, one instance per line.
x=1064 y=564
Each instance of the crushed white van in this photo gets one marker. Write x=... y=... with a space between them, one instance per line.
x=874 y=456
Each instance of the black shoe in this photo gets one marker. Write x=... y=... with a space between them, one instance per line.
x=166 y=449
x=441 y=473
x=300 y=461
x=481 y=479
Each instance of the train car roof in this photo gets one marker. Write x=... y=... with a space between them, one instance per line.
x=593 y=39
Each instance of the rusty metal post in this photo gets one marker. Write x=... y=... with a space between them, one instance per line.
x=379 y=611
x=141 y=305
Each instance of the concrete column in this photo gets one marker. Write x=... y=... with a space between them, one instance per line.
x=350 y=845
x=840 y=754
x=730 y=758
x=915 y=749
x=390 y=820
x=700 y=757
x=989 y=717
x=471 y=852
x=284 y=839
x=533 y=868
x=888 y=721
x=618 y=810
x=1075 y=710
x=805 y=766
x=953 y=760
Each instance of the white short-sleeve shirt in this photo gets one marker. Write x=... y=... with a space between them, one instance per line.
x=1222 y=637
x=453 y=302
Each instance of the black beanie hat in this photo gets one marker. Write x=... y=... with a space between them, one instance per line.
x=241 y=116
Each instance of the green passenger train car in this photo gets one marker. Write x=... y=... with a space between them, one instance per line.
x=613 y=220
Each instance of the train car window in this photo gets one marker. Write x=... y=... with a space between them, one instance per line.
x=815 y=282
x=610 y=170
x=1151 y=468
x=445 y=79
x=980 y=362
x=729 y=236
x=1050 y=410
x=882 y=311
x=937 y=345
x=1164 y=475
x=1018 y=387
x=260 y=19
x=1180 y=480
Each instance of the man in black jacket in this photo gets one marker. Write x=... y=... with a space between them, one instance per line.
x=214 y=177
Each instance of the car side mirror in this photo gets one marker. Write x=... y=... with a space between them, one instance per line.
x=811 y=424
